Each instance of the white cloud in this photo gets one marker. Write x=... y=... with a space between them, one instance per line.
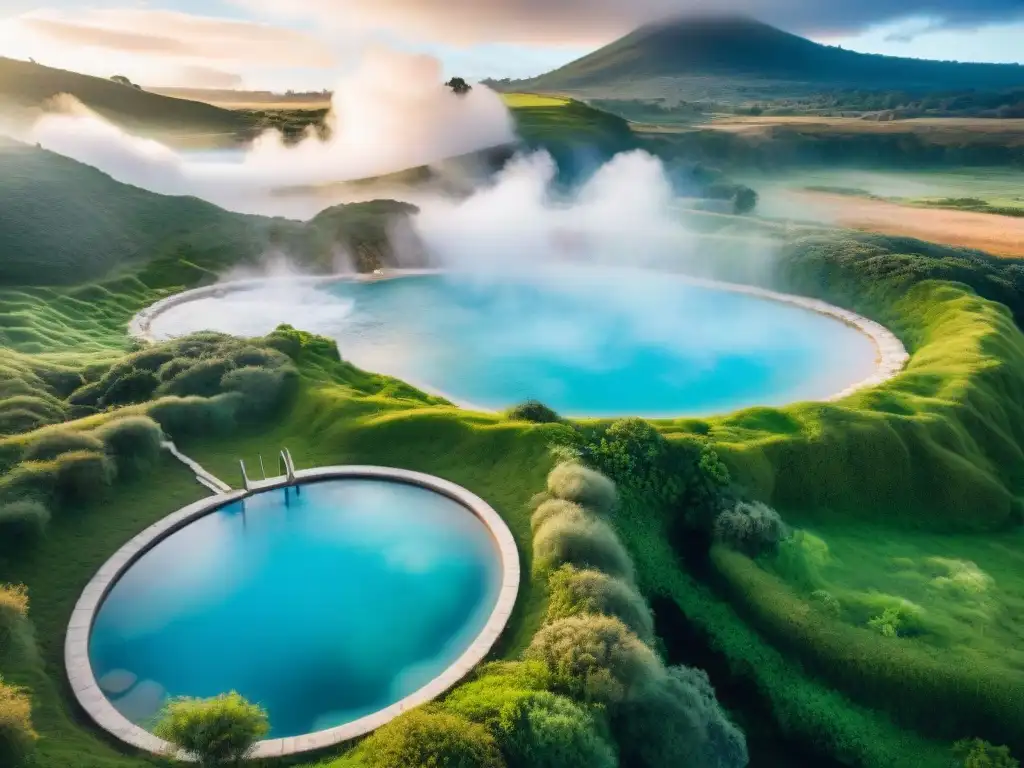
x=154 y=44
x=576 y=22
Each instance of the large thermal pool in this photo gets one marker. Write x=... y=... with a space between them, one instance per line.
x=586 y=342
x=337 y=604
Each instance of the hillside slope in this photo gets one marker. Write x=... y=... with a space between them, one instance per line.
x=63 y=222
x=747 y=49
x=28 y=85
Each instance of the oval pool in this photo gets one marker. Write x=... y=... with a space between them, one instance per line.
x=351 y=596
x=586 y=342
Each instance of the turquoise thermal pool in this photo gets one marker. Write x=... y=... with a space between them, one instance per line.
x=586 y=342
x=346 y=599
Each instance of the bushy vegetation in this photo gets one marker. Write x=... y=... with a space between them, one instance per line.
x=547 y=508
x=873 y=663
x=22 y=524
x=17 y=735
x=975 y=753
x=575 y=592
x=214 y=732
x=678 y=722
x=133 y=442
x=583 y=486
x=686 y=475
x=751 y=527
x=533 y=410
x=50 y=444
x=583 y=541
x=17 y=738
x=429 y=737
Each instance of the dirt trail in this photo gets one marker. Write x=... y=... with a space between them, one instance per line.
x=1000 y=235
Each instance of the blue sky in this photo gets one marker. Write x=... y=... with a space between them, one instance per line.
x=309 y=44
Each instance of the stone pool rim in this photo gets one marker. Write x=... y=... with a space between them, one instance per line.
x=95 y=703
x=891 y=356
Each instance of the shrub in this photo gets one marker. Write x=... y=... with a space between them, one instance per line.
x=81 y=476
x=132 y=386
x=22 y=524
x=752 y=528
x=172 y=368
x=800 y=559
x=257 y=357
x=684 y=475
x=13 y=611
x=573 y=592
x=552 y=508
x=51 y=444
x=895 y=617
x=133 y=442
x=428 y=737
x=181 y=416
x=585 y=542
x=637 y=457
x=218 y=731
x=827 y=602
x=549 y=731
x=262 y=389
x=975 y=753
x=595 y=658
x=677 y=721
x=591 y=489
x=88 y=395
x=201 y=379
x=30 y=480
x=532 y=410
x=498 y=687
x=17 y=736
x=151 y=358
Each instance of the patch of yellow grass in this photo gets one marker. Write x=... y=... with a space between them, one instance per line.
x=14 y=598
x=527 y=100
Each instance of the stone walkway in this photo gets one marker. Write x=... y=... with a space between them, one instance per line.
x=205 y=478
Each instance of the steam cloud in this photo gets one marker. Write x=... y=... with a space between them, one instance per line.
x=393 y=113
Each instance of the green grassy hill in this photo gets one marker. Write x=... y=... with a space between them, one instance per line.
x=745 y=49
x=63 y=223
x=29 y=85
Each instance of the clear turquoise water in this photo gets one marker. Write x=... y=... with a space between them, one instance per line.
x=587 y=342
x=349 y=599
x=592 y=343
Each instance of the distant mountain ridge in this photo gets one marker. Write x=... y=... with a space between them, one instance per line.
x=30 y=85
x=743 y=48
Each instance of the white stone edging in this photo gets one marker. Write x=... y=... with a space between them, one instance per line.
x=892 y=356
x=98 y=707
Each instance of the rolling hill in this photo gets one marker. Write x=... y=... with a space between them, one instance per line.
x=29 y=86
x=740 y=49
x=63 y=222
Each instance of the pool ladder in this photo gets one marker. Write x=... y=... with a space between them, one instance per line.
x=284 y=459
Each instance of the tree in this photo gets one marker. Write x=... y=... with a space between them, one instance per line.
x=122 y=80
x=975 y=753
x=460 y=86
x=744 y=201
x=215 y=732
